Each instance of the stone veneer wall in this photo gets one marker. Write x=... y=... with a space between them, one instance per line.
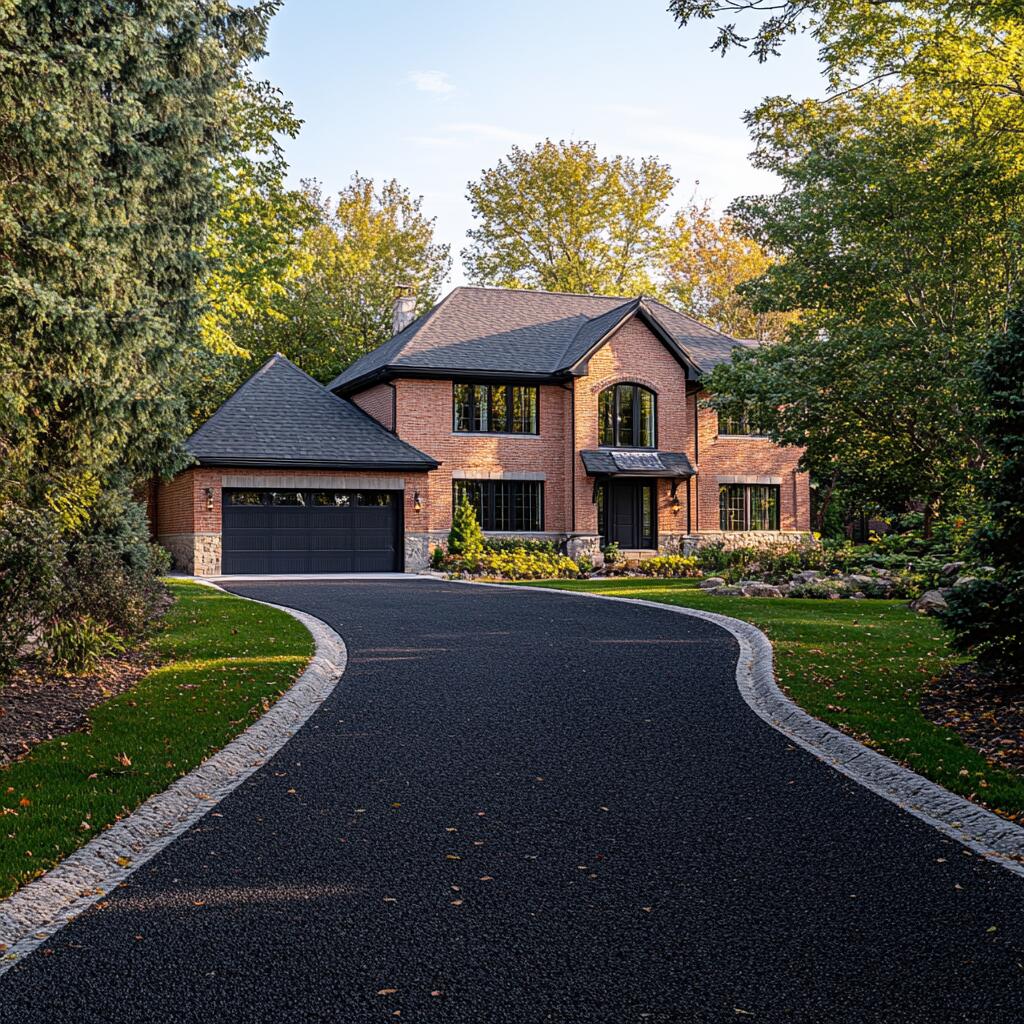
x=194 y=553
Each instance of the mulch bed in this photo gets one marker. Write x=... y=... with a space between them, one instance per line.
x=986 y=709
x=36 y=705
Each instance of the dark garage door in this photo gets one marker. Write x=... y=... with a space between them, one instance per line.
x=310 y=531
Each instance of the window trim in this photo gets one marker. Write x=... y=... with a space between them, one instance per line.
x=637 y=388
x=748 y=509
x=508 y=432
x=744 y=420
x=488 y=504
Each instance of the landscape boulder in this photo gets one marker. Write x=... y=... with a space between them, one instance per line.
x=951 y=568
x=929 y=602
x=807 y=575
x=727 y=591
x=757 y=589
x=711 y=583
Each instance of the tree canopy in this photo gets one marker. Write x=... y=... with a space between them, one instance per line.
x=563 y=218
x=111 y=118
x=706 y=259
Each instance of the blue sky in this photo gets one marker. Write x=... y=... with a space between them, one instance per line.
x=432 y=93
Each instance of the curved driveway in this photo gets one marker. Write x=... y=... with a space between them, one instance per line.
x=527 y=807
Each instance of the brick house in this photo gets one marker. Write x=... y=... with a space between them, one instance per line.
x=575 y=418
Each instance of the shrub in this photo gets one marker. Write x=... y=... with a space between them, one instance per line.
x=542 y=547
x=465 y=536
x=669 y=566
x=77 y=645
x=436 y=557
x=31 y=570
x=113 y=571
x=586 y=566
x=987 y=617
x=514 y=565
x=611 y=552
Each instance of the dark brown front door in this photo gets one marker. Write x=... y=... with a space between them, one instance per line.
x=629 y=513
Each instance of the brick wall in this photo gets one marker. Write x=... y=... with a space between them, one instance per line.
x=739 y=457
x=634 y=355
x=424 y=419
x=379 y=402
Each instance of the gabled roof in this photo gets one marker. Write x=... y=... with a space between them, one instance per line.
x=522 y=333
x=282 y=417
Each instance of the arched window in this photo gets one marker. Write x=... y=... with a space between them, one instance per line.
x=625 y=414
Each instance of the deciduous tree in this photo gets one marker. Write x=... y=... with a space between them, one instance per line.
x=706 y=259
x=563 y=218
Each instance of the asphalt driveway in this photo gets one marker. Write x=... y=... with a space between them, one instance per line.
x=530 y=807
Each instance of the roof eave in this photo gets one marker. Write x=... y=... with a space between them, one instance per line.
x=409 y=466
x=393 y=371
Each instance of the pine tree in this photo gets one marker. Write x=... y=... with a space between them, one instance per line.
x=112 y=114
x=465 y=536
x=987 y=617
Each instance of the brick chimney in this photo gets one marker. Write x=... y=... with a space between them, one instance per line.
x=404 y=309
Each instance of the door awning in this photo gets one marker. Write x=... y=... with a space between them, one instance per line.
x=631 y=462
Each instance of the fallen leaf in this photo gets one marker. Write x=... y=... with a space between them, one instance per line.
x=386 y=991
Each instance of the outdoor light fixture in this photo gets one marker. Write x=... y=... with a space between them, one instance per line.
x=416 y=503
x=675 y=505
x=208 y=491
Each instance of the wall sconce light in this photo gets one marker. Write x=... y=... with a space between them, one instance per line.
x=208 y=491
x=675 y=505
x=417 y=504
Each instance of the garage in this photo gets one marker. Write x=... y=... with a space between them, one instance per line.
x=310 y=531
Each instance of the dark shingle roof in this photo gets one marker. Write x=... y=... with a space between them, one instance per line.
x=506 y=330
x=632 y=462
x=280 y=416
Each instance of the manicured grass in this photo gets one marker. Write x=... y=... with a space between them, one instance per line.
x=858 y=665
x=224 y=662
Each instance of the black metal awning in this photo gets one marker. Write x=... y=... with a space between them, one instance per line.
x=618 y=462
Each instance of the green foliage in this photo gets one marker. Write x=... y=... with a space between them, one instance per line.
x=987 y=617
x=465 y=537
x=252 y=239
x=74 y=645
x=111 y=117
x=333 y=300
x=898 y=226
x=563 y=218
x=611 y=552
x=514 y=564
x=436 y=557
x=669 y=566
x=32 y=561
x=528 y=544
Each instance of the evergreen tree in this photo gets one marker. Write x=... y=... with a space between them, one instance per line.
x=987 y=616
x=465 y=536
x=112 y=115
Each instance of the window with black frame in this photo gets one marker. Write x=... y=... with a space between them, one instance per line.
x=743 y=507
x=738 y=423
x=495 y=409
x=626 y=417
x=504 y=505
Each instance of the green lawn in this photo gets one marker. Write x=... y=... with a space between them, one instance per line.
x=224 y=661
x=858 y=665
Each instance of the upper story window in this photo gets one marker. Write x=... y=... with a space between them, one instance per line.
x=625 y=414
x=738 y=424
x=495 y=409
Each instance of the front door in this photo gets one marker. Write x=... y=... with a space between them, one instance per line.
x=626 y=509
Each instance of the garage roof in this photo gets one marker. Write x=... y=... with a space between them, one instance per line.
x=282 y=417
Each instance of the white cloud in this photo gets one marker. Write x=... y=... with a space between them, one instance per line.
x=495 y=132
x=432 y=81
x=633 y=111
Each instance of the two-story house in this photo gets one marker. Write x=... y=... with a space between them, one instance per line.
x=576 y=418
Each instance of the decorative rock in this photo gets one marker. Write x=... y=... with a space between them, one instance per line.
x=727 y=591
x=755 y=589
x=806 y=576
x=951 y=568
x=711 y=583
x=963 y=581
x=929 y=602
